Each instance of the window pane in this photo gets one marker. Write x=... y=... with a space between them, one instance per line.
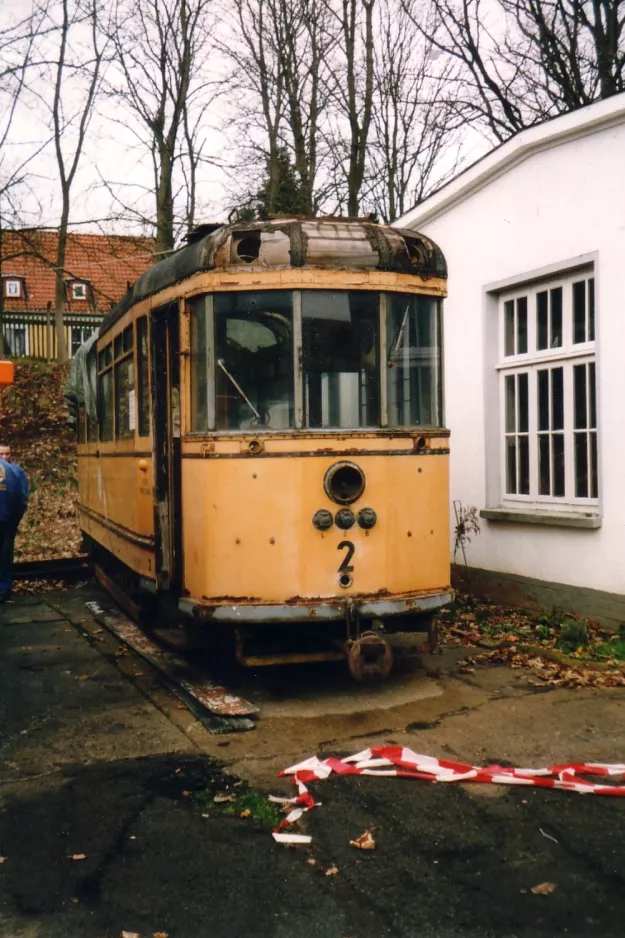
x=510 y=404
x=340 y=361
x=125 y=405
x=199 y=363
x=592 y=395
x=105 y=357
x=580 y=416
x=143 y=380
x=543 y=400
x=523 y=403
x=105 y=403
x=118 y=345
x=542 y=317
x=254 y=360
x=594 y=475
x=557 y=398
x=521 y=313
x=556 y=317
x=511 y=465
x=591 y=309
x=413 y=361
x=127 y=339
x=524 y=465
x=581 y=465
x=544 y=465
x=558 y=464
x=579 y=311
x=509 y=327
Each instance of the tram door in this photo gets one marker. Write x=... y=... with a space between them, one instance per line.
x=165 y=346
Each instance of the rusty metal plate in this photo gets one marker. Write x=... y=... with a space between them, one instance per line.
x=177 y=670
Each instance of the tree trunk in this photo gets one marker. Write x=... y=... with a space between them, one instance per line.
x=59 y=291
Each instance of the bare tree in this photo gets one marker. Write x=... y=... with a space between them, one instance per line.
x=160 y=48
x=351 y=84
x=17 y=49
x=256 y=88
x=523 y=61
x=414 y=142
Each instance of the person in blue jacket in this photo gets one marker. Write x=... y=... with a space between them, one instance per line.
x=13 y=504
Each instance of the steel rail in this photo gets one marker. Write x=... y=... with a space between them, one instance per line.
x=56 y=568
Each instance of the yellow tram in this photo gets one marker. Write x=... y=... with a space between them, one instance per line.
x=261 y=439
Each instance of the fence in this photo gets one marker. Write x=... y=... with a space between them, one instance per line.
x=34 y=335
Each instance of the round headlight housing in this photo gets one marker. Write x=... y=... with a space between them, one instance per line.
x=344 y=482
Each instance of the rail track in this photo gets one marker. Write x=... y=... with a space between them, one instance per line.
x=57 y=568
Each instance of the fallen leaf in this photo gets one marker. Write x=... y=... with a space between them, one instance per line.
x=82 y=677
x=75 y=901
x=332 y=871
x=205 y=815
x=160 y=934
x=2 y=859
x=311 y=861
x=245 y=813
x=177 y=772
x=221 y=799
x=132 y=837
x=544 y=889
x=364 y=842
x=185 y=794
x=130 y=934
x=78 y=856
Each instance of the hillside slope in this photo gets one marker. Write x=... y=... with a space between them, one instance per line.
x=33 y=422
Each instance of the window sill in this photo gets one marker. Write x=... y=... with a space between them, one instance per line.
x=572 y=519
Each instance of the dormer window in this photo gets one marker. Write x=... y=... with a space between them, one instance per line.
x=13 y=288
x=79 y=290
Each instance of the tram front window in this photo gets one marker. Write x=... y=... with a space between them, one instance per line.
x=340 y=359
x=413 y=344
x=254 y=360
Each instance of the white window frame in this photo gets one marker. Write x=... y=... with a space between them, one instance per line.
x=566 y=356
x=13 y=281
x=80 y=284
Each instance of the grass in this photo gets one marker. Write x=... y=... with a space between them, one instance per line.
x=263 y=812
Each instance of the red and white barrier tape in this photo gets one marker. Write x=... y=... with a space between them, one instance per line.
x=404 y=763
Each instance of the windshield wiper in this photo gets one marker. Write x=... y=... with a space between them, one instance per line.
x=393 y=356
x=220 y=362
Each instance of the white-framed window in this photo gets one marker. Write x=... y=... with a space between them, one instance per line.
x=15 y=339
x=547 y=386
x=80 y=334
x=79 y=290
x=12 y=288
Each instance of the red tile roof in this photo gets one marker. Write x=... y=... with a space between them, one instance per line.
x=106 y=263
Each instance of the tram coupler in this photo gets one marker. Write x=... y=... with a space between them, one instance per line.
x=369 y=657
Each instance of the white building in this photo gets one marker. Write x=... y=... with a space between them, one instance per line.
x=534 y=236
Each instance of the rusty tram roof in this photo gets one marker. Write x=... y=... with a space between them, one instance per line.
x=329 y=243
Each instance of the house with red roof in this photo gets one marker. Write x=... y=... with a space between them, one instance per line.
x=98 y=271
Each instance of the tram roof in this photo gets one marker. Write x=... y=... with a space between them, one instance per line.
x=327 y=242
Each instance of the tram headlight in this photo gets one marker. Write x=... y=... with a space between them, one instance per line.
x=323 y=519
x=344 y=482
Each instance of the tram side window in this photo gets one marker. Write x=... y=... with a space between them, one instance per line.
x=199 y=363
x=254 y=360
x=413 y=361
x=340 y=359
x=143 y=380
x=125 y=398
x=105 y=393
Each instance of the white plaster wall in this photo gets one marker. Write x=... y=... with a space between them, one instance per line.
x=556 y=205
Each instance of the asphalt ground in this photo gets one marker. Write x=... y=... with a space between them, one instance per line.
x=99 y=762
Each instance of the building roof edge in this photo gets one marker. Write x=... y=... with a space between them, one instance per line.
x=599 y=115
